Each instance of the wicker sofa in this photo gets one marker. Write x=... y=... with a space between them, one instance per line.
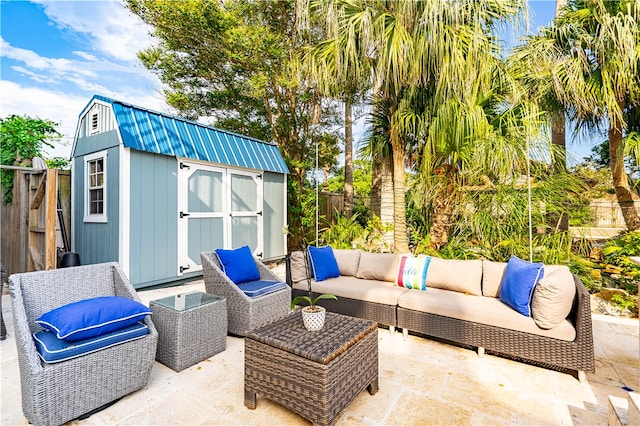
x=461 y=305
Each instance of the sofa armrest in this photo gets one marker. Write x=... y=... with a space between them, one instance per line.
x=581 y=317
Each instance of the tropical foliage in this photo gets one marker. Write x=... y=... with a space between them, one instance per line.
x=594 y=50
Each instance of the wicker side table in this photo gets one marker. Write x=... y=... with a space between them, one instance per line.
x=191 y=327
x=315 y=374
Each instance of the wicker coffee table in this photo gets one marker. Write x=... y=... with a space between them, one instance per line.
x=191 y=327
x=316 y=374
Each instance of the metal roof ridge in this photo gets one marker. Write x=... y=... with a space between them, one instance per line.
x=174 y=117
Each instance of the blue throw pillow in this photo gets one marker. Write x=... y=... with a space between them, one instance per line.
x=519 y=281
x=323 y=263
x=238 y=264
x=92 y=317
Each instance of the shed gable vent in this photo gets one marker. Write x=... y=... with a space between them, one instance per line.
x=94 y=124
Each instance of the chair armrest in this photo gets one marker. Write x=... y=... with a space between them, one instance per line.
x=216 y=281
x=121 y=284
x=266 y=273
x=123 y=288
x=27 y=352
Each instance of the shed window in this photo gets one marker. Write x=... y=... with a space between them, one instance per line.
x=95 y=188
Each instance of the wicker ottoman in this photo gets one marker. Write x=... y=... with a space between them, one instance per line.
x=316 y=374
x=191 y=327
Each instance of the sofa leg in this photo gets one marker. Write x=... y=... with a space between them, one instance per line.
x=480 y=351
x=582 y=376
x=405 y=333
x=392 y=329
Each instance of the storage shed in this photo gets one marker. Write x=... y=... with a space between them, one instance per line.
x=152 y=190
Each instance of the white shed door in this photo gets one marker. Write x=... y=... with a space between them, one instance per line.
x=246 y=211
x=217 y=208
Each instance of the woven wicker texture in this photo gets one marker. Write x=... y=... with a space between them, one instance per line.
x=338 y=334
x=190 y=336
x=53 y=394
x=245 y=313
x=577 y=355
x=316 y=391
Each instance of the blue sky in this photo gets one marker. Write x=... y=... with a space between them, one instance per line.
x=55 y=55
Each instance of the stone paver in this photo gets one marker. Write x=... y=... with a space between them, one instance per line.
x=421 y=382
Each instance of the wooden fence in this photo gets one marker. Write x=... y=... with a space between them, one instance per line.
x=36 y=225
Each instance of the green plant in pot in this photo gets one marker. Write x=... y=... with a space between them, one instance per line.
x=312 y=315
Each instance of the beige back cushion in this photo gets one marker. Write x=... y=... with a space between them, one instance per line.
x=492 y=273
x=348 y=261
x=463 y=276
x=297 y=266
x=553 y=297
x=378 y=266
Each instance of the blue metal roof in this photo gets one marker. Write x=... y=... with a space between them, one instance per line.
x=151 y=131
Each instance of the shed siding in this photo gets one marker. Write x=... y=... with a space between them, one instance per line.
x=153 y=223
x=95 y=143
x=274 y=216
x=97 y=242
x=106 y=122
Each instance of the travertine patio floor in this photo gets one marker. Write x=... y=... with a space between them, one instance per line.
x=421 y=382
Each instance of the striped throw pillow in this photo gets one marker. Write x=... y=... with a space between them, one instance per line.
x=412 y=271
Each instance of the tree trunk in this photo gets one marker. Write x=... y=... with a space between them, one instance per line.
x=386 y=212
x=620 y=180
x=440 y=222
x=376 y=187
x=560 y=221
x=347 y=209
x=400 y=238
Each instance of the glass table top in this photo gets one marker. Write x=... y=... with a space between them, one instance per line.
x=186 y=301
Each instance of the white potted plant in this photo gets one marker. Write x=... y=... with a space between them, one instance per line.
x=312 y=315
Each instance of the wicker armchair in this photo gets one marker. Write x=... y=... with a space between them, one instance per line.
x=57 y=393
x=245 y=313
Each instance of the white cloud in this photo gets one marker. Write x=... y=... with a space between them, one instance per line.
x=64 y=108
x=59 y=107
x=40 y=78
x=32 y=59
x=112 y=29
x=85 y=55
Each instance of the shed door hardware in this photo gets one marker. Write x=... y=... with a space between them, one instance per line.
x=258 y=176
x=183 y=214
x=184 y=268
x=184 y=166
x=259 y=255
x=259 y=213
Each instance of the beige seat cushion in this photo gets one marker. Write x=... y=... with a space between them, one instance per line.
x=348 y=261
x=384 y=293
x=297 y=266
x=464 y=276
x=378 y=266
x=553 y=297
x=492 y=273
x=479 y=309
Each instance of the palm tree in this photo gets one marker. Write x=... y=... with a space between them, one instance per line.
x=595 y=45
x=409 y=44
x=345 y=78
